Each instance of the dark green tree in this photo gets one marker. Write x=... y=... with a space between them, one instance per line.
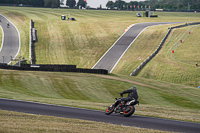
x=110 y=4
x=47 y=3
x=71 y=3
x=119 y=4
x=100 y=7
x=134 y=3
x=181 y=6
x=82 y=3
x=37 y=3
x=52 y=3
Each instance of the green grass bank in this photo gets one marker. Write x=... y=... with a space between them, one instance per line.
x=38 y=123
x=178 y=67
x=158 y=99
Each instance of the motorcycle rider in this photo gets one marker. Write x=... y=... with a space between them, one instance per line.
x=132 y=95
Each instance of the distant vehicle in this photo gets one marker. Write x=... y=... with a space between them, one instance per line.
x=73 y=19
x=138 y=15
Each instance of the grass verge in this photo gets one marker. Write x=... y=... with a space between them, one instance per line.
x=91 y=91
x=20 y=122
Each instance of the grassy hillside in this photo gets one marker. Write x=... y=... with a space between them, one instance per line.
x=167 y=87
x=180 y=66
x=98 y=91
x=176 y=68
x=67 y=42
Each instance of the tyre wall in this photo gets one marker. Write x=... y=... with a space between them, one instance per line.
x=53 y=68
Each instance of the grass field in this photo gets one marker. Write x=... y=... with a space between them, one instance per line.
x=67 y=42
x=156 y=98
x=181 y=67
x=175 y=68
x=37 y=123
x=167 y=85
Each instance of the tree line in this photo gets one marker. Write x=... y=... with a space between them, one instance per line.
x=34 y=3
x=45 y=3
x=80 y=3
x=169 y=5
x=172 y=5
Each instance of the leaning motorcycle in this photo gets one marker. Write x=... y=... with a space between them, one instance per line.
x=126 y=111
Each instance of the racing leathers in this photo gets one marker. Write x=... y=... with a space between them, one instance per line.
x=132 y=95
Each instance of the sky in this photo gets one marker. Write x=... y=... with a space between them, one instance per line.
x=97 y=3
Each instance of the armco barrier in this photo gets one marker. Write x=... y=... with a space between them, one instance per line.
x=34 y=35
x=32 y=39
x=54 y=68
x=136 y=71
x=186 y=24
x=30 y=42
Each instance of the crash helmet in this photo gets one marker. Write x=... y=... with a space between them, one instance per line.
x=134 y=88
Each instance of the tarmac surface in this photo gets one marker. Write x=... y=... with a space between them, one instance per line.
x=10 y=41
x=110 y=59
x=99 y=116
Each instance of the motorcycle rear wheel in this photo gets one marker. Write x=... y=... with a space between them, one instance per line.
x=131 y=110
x=109 y=110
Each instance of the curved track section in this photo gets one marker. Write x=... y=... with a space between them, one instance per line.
x=109 y=60
x=99 y=116
x=10 y=42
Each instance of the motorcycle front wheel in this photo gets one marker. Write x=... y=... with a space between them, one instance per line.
x=109 y=110
x=129 y=111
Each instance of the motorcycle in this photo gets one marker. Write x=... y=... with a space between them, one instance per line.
x=126 y=111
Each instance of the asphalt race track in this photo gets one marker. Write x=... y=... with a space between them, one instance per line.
x=99 y=116
x=114 y=54
x=10 y=42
